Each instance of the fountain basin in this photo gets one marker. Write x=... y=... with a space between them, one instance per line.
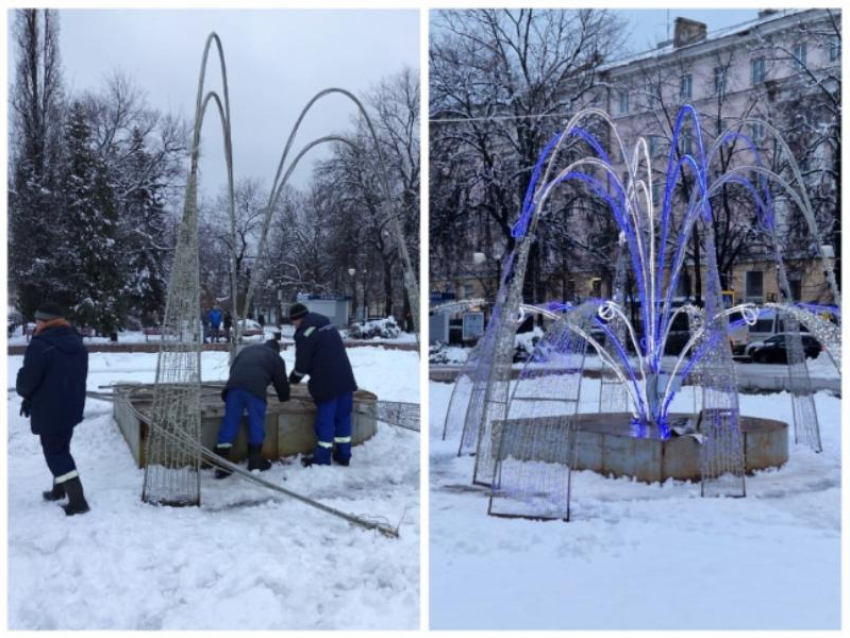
x=289 y=426
x=606 y=444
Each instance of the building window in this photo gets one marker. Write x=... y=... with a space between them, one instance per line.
x=758 y=70
x=687 y=143
x=686 y=86
x=467 y=291
x=656 y=146
x=754 y=290
x=657 y=194
x=834 y=48
x=653 y=95
x=720 y=81
x=795 y=281
x=623 y=102
x=757 y=131
x=800 y=56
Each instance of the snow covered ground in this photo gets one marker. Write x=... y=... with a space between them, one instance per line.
x=637 y=556
x=246 y=559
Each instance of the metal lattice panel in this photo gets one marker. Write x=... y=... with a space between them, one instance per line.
x=172 y=473
x=722 y=452
x=533 y=451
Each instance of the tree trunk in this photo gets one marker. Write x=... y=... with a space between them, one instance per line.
x=388 y=289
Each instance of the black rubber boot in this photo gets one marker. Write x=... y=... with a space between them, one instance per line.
x=255 y=461
x=340 y=460
x=307 y=461
x=55 y=494
x=223 y=452
x=76 y=500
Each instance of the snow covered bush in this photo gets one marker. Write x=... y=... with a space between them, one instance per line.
x=525 y=342
x=376 y=329
x=444 y=354
x=438 y=354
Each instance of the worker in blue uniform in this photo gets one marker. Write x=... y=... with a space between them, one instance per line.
x=320 y=355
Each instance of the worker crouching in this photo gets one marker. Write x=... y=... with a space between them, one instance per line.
x=254 y=369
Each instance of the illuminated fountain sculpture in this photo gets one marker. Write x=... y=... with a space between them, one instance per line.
x=533 y=420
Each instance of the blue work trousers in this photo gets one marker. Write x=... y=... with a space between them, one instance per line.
x=333 y=428
x=236 y=402
x=56 y=446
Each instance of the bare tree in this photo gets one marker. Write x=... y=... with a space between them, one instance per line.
x=36 y=148
x=806 y=106
x=501 y=82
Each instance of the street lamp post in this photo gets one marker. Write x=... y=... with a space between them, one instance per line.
x=352 y=272
x=365 y=300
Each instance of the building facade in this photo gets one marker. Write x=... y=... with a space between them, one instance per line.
x=783 y=68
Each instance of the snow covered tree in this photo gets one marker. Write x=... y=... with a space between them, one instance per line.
x=144 y=231
x=143 y=152
x=87 y=248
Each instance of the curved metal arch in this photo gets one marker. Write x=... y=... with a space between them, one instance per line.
x=461 y=304
x=802 y=197
x=281 y=179
x=224 y=111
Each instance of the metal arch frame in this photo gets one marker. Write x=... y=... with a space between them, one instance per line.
x=280 y=180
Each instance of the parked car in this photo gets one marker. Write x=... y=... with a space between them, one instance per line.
x=250 y=328
x=773 y=349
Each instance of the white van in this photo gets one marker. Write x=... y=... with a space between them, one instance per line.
x=739 y=333
x=769 y=324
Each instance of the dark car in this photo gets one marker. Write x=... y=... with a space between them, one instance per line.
x=773 y=349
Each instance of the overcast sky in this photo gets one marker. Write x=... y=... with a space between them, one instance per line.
x=276 y=61
x=647 y=27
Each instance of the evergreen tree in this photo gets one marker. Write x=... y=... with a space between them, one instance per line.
x=88 y=248
x=144 y=235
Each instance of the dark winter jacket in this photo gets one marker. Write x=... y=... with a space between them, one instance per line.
x=255 y=368
x=215 y=317
x=320 y=353
x=53 y=380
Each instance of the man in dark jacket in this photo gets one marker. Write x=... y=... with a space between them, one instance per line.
x=252 y=371
x=320 y=354
x=52 y=383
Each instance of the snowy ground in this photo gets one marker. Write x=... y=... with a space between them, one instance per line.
x=246 y=559
x=639 y=556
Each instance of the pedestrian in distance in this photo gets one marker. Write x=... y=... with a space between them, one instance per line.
x=205 y=323
x=215 y=322
x=320 y=354
x=253 y=370
x=228 y=326
x=52 y=383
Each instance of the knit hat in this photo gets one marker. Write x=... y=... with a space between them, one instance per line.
x=274 y=345
x=297 y=311
x=49 y=311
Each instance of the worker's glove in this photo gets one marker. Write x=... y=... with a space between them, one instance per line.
x=294 y=378
x=26 y=408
